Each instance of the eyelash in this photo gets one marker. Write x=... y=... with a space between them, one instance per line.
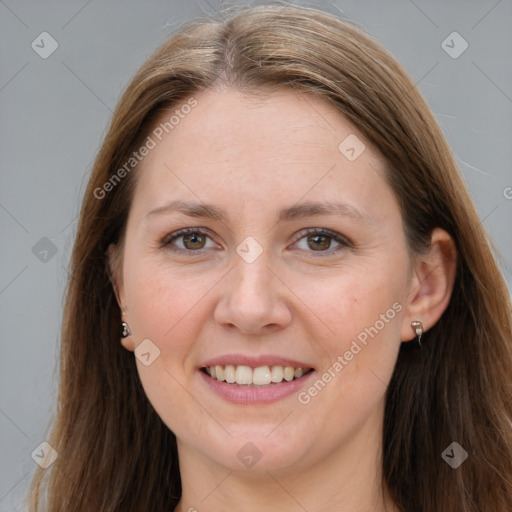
x=343 y=241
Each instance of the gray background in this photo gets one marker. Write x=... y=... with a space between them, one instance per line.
x=54 y=113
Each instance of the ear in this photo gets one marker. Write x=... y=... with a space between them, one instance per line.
x=431 y=284
x=116 y=278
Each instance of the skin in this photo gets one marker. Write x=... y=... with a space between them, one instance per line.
x=253 y=156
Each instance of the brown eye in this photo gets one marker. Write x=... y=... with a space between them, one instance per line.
x=319 y=242
x=194 y=241
x=188 y=241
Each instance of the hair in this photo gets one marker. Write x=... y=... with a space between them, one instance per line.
x=116 y=454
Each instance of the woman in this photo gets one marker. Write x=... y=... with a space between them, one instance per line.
x=311 y=316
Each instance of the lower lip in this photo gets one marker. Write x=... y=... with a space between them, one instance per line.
x=255 y=395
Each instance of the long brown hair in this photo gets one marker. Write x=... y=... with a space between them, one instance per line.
x=115 y=453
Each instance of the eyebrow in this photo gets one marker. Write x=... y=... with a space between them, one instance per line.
x=311 y=209
x=298 y=211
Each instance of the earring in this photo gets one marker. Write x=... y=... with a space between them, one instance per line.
x=417 y=327
x=125 y=330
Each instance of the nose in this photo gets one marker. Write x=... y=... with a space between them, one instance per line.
x=253 y=299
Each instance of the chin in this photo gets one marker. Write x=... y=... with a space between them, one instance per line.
x=258 y=450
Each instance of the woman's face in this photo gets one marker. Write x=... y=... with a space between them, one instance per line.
x=294 y=257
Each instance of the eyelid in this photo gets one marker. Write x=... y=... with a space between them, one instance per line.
x=169 y=238
x=323 y=231
x=342 y=240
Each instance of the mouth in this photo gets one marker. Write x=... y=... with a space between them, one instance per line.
x=257 y=377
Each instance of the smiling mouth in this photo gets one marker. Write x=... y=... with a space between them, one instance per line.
x=242 y=375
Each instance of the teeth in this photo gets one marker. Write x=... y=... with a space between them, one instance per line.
x=288 y=373
x=260 y=376
x=243 y=375
x=277 y=374
x=229 y=373
x=219 y=372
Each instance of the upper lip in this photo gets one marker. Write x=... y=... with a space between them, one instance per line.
x=254 y=361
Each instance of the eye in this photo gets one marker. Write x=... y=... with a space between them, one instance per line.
x=188 y=240
x=317 y=240
x=321 y=240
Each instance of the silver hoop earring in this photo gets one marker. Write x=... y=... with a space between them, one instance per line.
x=417 y=327
x=125 y=330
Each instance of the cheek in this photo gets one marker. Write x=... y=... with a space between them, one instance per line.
x=168 y=308
x=358 y=336
x=351 y=303
x=163 y=300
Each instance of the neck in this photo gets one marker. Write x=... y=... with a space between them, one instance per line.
x=349 y=479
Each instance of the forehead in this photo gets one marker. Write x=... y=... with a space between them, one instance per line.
x=269 y=123
x=266 y=148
